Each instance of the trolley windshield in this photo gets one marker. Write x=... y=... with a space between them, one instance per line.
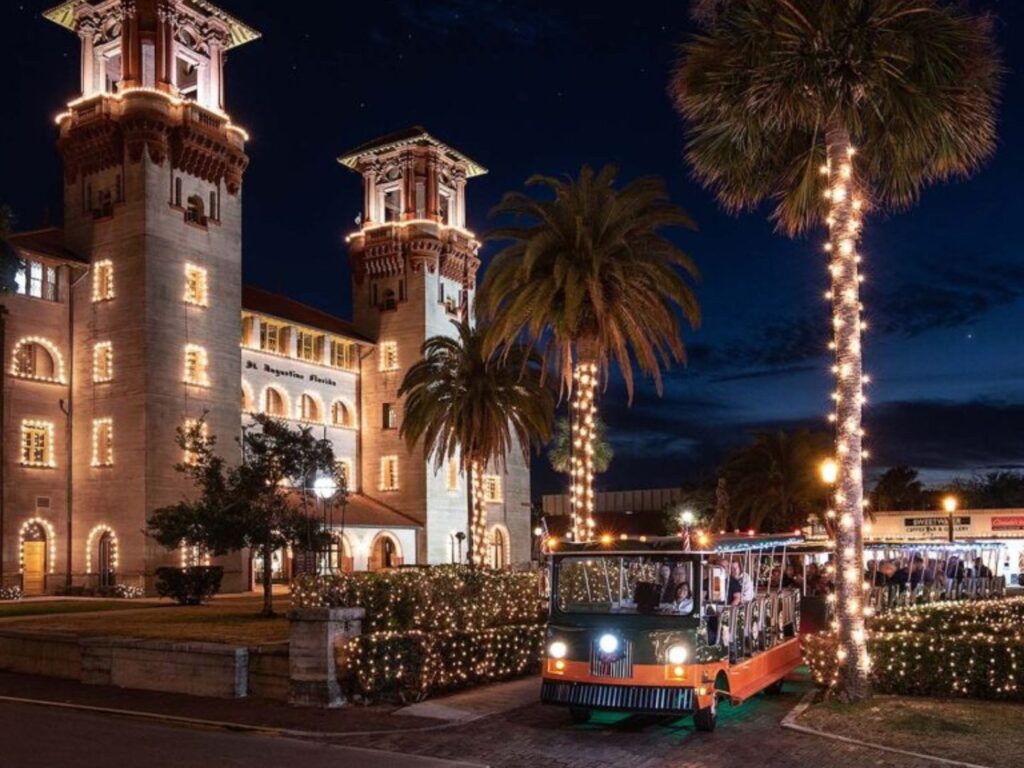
x=650 y=584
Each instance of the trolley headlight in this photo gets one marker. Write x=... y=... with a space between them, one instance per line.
x=608 y=643
x=677 y=654
x=558 y=650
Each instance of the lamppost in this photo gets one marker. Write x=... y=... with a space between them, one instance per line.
x=325 y=488
x=829 y=471
x=950 y=504
x=686 y=519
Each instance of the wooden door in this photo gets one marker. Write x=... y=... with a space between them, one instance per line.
x=35 y=567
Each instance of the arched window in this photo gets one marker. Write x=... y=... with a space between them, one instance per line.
x=341 y=559
x=309 y=408
x=341 y=414
x=247 y=404
x=499 y=547
x=274 y=403
x=195 y=213
x=34 y=361
x=385 y=552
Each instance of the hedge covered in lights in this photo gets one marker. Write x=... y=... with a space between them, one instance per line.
x=433 y=629
x=973 y=650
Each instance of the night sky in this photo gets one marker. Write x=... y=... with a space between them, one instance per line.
x=525 y=87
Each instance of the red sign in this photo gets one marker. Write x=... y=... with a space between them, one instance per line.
x=1008 y=523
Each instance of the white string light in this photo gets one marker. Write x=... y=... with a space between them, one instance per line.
x=581 y=483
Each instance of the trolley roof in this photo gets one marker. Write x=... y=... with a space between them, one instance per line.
x=703 y=543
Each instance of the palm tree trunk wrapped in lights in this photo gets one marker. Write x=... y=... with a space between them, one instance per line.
x=772 y=89
x=478 y=522
x=584 y=413
x=844 y=222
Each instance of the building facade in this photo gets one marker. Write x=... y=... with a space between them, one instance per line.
x=132 y=320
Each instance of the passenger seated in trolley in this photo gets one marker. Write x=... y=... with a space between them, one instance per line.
x=683 y=599
x=741 y=588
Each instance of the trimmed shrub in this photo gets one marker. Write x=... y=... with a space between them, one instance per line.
x=408 y=666
x=191 y=585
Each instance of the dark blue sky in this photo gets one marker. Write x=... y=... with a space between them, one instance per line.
x=527 y=87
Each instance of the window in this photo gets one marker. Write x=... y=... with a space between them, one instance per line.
x=446 y=207
x=344 y=467
x=177 y=192
x=195 y=285
x=389 y=356
x=309 y=408
x=195 y=213
x=392 y=204
x=492 y=488
x=389 y=473
x=32 y=360
x=37 y=443
x=452 y=477
x=36 y=280
x=102 y=281
x=204 y=431
x=389 y=416
x=308 y=346
x=186 y=78
x=102 y=362
x=273 y=403
x=196 y=366
x=271 y=337
x=102 y=442
x=341 y=414
x=343 y=354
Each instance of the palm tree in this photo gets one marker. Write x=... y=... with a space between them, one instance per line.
x=589 y=280
x=477 y=407
x=827 y=109
x=773 y=482
x=560 y=452
x=899 y=487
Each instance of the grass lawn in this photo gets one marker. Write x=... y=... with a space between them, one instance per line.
x=222 y=621
x=984 y=733
x=14 y=609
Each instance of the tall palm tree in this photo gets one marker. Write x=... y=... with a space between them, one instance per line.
x=774 y=483
x=827 y=109
x=560 y=451
x=590 y=281
x=465 y=403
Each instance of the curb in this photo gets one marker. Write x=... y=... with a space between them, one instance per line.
x=237 y=727
x=790 y=722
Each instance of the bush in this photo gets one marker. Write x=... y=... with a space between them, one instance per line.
x=441 y=598
x=971 y=650
x=10 y=593
x=119 y=591
x=191 y=585
x=408 y=666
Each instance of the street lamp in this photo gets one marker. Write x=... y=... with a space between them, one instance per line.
x=829 y=471
x=950 y=504
x=325 y=489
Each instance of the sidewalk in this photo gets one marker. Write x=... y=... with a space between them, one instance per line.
x=276 y=716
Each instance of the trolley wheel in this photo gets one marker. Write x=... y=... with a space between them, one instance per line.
x=775 y=688
x=706 y=718
x=579 y=714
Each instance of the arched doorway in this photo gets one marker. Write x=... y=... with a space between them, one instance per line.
x=341 y=560
x=385 y=552
x=106 y=559
x=498 y=547
x=33 y=559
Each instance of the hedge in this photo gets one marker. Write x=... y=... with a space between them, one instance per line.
x=970 y=650
x=10 y=593
x=411 y=665
x=436 y=599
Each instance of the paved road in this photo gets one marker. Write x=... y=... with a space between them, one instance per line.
x=43 y=737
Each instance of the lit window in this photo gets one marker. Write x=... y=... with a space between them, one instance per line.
x=389 y=416
x=341 y=414
x=308 y=346
x=492 y=488
x=389 y=473
x=35 y=358
x=270 y=337
x=195 y=285
x=196 y=366
x=37 y=443
x=102 y=442
x=190 y=424
x=273 y=403
x=345 y=473
x=102 y=281
x=452 y=479
x=309 y=408
x=102 y=362
x=342 y=354
x=389 y=356
x=37 y=280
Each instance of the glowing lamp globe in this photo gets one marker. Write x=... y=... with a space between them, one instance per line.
x=325 y=487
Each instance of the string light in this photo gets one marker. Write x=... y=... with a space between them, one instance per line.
x=18 y=370
x=102 y=280
x=581 y=482
x=103 y=442
x=101 y=529
x=479 y=532
x=51 y=542
x=103 y=362
x=195 y=285
x=37 y=444
x=196 y=372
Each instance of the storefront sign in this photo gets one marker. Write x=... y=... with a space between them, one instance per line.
x=936 y=524
x=1015 y=523
x=280 y=373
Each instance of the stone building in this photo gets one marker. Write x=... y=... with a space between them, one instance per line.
x=132 y=319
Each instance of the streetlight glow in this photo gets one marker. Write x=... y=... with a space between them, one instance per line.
x=949 y=504
x=829 y=471
x=325 y=487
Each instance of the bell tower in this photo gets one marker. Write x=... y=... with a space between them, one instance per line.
x=414 y=267
x=153 y=171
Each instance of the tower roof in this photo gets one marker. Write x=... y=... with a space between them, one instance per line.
x=416 y=135
x=238 y=32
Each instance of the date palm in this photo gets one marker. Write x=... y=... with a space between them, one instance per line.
x=826 y=110
x=560 y=450
x=475 y=407
x=590 y=281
